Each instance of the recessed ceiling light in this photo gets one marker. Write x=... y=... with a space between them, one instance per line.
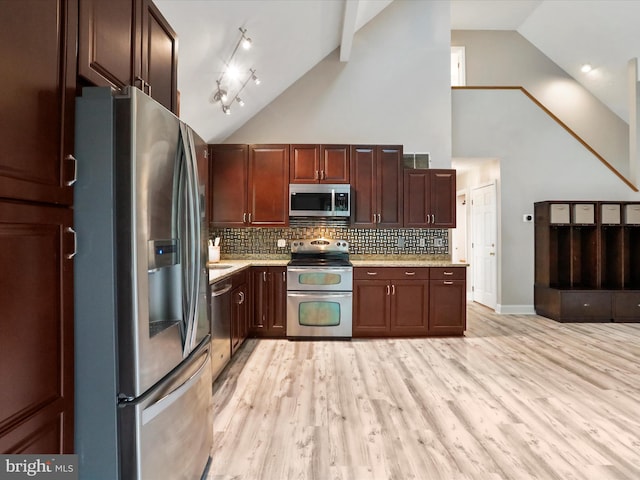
x=586 y=68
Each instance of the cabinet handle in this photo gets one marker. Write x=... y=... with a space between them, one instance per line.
x=433 y=218
x=75 y=170
x=393 y=289
x=586 y=305
x=284 y=275
x=374 y=218
x=387 y=290
x=264 y=276
x=410 y=273
x=241 y=301
x=379 y=220
x=447 y=282
x=375 y=273
x=75 y=242
x=323 y=175
x=316 y=176
x=249 y=217
x=244 y=217
x=428 y=218
x=447 y=273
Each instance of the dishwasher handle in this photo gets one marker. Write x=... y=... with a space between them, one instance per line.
x=224 y=289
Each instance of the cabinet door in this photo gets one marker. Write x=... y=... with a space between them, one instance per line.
x=416 y=191
x=105 y=42
x=389 y=186
x=363 y=181
x=447 y=307
x=371 y=308
x=158 y=56
x=442 y=198
x=278 y=301
x=409 y=307
x=269 y=185
x=36 y=344
x=228 y=177
x=38 y=71
x=304 y=163
x=334 y=164
x=259 y=293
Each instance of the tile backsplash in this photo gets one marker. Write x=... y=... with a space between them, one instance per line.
x=363 y=241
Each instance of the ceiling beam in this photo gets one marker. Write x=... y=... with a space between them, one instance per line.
x=348 y=28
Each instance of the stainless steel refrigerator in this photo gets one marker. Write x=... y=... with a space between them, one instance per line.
x=142 y=333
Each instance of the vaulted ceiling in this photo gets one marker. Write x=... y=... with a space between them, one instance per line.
x=289 y=37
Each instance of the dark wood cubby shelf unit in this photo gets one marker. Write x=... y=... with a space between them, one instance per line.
x=587 y=261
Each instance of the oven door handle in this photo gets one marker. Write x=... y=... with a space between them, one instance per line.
x=320 y=269
x=321 y=295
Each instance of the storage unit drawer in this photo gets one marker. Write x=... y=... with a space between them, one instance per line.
x=448 y=273
x=610 y=214
x=632 y=214
x=586 y=305
x=584 y=213
x=407 y=273
x=559 y=213
x=626 y=306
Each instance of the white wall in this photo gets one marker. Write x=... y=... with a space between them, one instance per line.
x=394 y=90
x=506 y=58
x=539 y=160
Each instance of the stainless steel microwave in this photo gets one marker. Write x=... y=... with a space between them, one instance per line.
x=319 y=200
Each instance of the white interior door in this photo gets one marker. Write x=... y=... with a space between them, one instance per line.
x=483 y=244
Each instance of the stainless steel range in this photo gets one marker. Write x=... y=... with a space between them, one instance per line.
x=319 y=289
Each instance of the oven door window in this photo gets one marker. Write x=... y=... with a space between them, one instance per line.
x=319 y=278
x=319 y=314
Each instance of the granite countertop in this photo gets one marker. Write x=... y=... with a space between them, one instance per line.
x=227 y=267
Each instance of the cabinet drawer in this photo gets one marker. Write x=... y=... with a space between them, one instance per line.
x=584 y=213
x=448 y=273
x=610 y=214
x=586 y=305
x=632 y=214
x=626 y=305
x=559 y=213
x=391 y=273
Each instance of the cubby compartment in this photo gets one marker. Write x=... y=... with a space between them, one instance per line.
x=611 y=257
x=631 y=259
x=584 y=255
x=560 y=257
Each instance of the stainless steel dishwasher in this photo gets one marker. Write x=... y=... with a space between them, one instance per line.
x=220 y=326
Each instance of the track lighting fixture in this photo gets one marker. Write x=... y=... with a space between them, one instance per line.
x=232 y=72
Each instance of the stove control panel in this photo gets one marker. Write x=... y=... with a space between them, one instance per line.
x=322 y=245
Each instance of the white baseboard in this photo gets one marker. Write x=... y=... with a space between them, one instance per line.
x=515 y=309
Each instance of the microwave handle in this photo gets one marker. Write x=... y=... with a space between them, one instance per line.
x=333 y=201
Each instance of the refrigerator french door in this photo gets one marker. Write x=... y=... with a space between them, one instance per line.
x=143 y=361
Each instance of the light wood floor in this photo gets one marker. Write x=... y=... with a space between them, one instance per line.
x=519 y=397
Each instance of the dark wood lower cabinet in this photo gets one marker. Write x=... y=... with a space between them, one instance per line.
x=269 y=294
x=403 y=302
x=36 y=325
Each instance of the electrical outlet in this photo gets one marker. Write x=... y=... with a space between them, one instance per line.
x=282 y=243
x=422 y=242
x=437 y=242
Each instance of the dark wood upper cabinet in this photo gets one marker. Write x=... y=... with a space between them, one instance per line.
x=319 y=164
x=38 y=72
x=228 y=180
x=159 y=57
x=128 y=42
x=106 y=40
x=249 y=185
x=429 y=198
x=268 y=189
x=376 y=178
